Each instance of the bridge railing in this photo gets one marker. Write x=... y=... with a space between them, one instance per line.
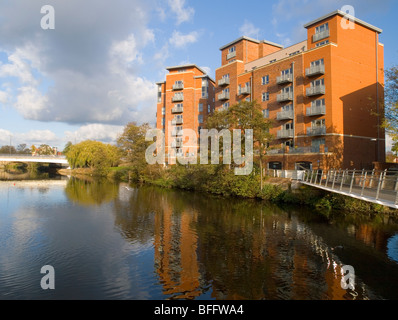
x=19 y=155
x=374 y=183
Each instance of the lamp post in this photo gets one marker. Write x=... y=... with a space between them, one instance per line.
x=376 y=155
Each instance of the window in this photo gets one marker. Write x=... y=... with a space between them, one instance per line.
x=318 y=103
x=226 y=105
x=318 y=123
x=200 y=118
x=181 y=70
x=205 y=88
x=200 y=109
x=287 y=72
x=322 y=28
x=265 y=80
x=247 y=99
x=265 y=96
x=163 y=111
x=287 y=89
x=289 y=143
x=266 y=113
x=159 y=93
x=317 y=63
x=322 y=43
x=316 y=83
x=272 y=61
x=163 y=121
x=208 y=108
x=288 y=107
x=225 y=76
x=178 y=117
x=232 y=49
x=179 y=83
x=288 y=126
x=294 y=53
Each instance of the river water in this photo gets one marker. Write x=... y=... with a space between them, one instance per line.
x=109 y=240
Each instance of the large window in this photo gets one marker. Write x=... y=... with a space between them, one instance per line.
x=322 y=28
x=317 y=63
x=265 y=96
x=200 y=118
x=200 y=108
x=265 y=80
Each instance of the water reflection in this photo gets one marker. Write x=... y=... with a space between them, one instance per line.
x=237 y=249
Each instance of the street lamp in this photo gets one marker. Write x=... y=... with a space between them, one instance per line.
x=376 y=153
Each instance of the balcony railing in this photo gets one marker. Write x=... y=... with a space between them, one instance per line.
x=285 y=96
x=317 y=131
x=223 y=82
x=177 y=109
x=223 y=96
x=316 y=110
x=231 y=55
x=177 y=98
x=315 y=70
x=177 y=121
x=285 y=133
x=178 y=86
x=321 y=35
x=316 y=90
x=285 y=115
x=285 y=78
x=244 y=90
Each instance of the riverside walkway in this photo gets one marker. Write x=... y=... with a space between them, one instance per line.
x=379 y=187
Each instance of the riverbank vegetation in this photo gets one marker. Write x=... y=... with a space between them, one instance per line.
x=126 y=161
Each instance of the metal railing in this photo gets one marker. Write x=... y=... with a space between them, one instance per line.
x=285 y=78
x=285 y=96
x=320 y=35
x=316 y=110
x=223 y=81
x=315 y=70
x=284 y=115
x=312 y=91
x=379 y=186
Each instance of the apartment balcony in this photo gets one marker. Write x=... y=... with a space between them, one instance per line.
x=285 y=134
x=314 y=91
x=177 y=98
x=286 y=96
x=285 y=115
x=244 y=90
x=321 y=35
x=231 y=55
x=285 y=78
x=223 y=96
x=177 y=144
x=315 y=70
x=317 y=131
x=178 y=86
x=177 y=121
x=177 y=109
x=316 y=110
x=223 y=82
x=176 y=133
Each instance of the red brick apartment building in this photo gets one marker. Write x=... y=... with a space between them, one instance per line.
x=324 y=95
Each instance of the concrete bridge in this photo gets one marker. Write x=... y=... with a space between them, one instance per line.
x=29 y=158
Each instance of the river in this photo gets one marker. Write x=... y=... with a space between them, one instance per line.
x=108 y=240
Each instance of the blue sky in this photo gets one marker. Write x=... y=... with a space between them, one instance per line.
x=96 y=71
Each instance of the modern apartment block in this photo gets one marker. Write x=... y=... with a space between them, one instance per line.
x=324 y=95
x=184 y=101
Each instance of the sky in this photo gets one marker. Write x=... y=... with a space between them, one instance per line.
x=97 y=69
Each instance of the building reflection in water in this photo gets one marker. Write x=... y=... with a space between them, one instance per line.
x=237 y=249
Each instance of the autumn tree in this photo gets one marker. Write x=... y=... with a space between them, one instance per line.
x=133 y=145
x=245 y=115
x=391 y=102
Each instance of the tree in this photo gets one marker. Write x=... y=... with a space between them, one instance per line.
x=133 y=145
x=45 y=150
x=92 y=154
x=245 y=115
x=391 y=103
x=67 y=147
x=22 y=149
x=8 y=150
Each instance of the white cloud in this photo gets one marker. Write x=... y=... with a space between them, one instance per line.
x=87 y=71
x=99 y=132
x=249 y=30
x=4 y=96
x=183 y=13
x=180 y=40
x=206 y=69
